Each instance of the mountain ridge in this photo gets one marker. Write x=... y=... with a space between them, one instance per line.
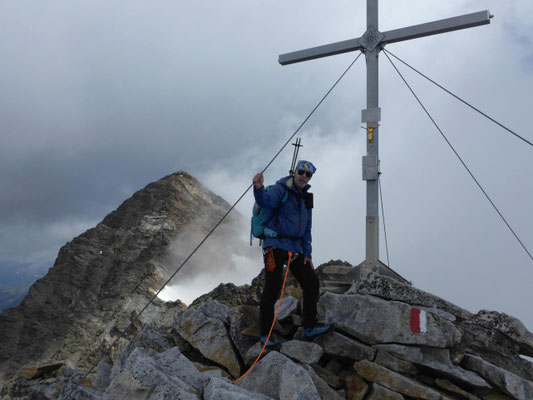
x=390 y=340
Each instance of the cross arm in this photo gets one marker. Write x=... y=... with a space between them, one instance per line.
x=436 y=27
x=396 y=35
x=321 y=51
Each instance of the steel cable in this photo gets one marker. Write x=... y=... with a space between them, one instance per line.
x=383 y=218
x=458 y=98
x=460 y=159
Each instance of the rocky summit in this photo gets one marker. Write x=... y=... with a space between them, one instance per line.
x=390 y=340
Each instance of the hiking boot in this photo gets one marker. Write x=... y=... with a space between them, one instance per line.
x=316 y=330
x=273 y=344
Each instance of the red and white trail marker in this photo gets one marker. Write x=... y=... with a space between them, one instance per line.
x=418 y=321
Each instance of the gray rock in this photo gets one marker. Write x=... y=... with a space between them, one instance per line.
x=278 y=377
x=506 y=381
x=253 y=353
x=154 y=339
x=214 y=309
x=374 y=320
x=496 y=348
x=325 y=392
x=445 y=384
x=437 y=360
x=379 y=392
x=288 y=306
x=305 y=352
x=397 y=382
x=387 y=360
x=220 y=389
x=145 y=378
x=181 y=367
x=338 y=345
x=509 y=326
x=210 y=337
x=73 y=391
x=356 y=387
x=390 y=289
x=241 y=322
x=103 y=378
x=336 y=381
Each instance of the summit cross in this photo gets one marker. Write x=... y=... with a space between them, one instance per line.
x=371 y=43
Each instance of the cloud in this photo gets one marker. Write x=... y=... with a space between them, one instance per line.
x=99 y=99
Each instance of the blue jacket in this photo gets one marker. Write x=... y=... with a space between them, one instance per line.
x=293 y=220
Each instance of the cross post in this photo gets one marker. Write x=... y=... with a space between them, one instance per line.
x=371 y=43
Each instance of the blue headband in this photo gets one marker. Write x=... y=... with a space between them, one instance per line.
x=306 y=165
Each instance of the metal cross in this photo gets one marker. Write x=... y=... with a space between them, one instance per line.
x=371 y=43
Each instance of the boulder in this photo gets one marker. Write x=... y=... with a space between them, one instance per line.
x=103 y=377
x=209 y=336
x=370 y=283
x=214 y=309
x=220 y=389
x=144 y=378
x=338 y=345
x=379 y=392
x=325 y=392
x=73 y=391
x=336 y=381
x=289 y=305
x=154 y=339
x=496 y=348
x=504 y=380
x=436 y=359
x=35 y=371
x=397 y=382
x=253 y=353
x=387 y=360
x=374 y=320
x=356 y=388
x=449 y=386
x=509 y=326
x=278 y=377
x=244 y=329
x=304 y=352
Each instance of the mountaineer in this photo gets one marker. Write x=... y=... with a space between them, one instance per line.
x=289 y=230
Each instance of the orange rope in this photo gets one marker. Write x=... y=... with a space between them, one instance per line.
x=273 y=322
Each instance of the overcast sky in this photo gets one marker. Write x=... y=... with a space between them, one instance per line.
x=99 y=98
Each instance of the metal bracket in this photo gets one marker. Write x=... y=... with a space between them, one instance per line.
x=370 y=168
x=372 y=115
x=371 y=38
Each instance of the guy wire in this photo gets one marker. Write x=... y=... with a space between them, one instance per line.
x=122 y=334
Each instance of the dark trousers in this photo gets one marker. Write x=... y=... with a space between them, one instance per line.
x=274 y=260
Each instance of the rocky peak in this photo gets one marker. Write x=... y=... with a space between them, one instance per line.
x=102 y=276
x=390 y=340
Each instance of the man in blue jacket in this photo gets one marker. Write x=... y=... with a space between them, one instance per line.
x=291 y=225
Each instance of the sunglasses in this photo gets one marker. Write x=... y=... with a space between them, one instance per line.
x=307 y=173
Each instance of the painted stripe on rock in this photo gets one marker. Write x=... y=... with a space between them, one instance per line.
x=418 y=321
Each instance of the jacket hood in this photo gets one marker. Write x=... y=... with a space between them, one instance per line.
x=288 y=182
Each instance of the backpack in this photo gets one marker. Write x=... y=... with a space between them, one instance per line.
x=261 y=216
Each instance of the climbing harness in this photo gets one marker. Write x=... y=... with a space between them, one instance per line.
x=273 y=322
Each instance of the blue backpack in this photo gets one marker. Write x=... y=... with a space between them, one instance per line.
x=261 y=216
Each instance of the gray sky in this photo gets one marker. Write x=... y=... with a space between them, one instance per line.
x=99 y=98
